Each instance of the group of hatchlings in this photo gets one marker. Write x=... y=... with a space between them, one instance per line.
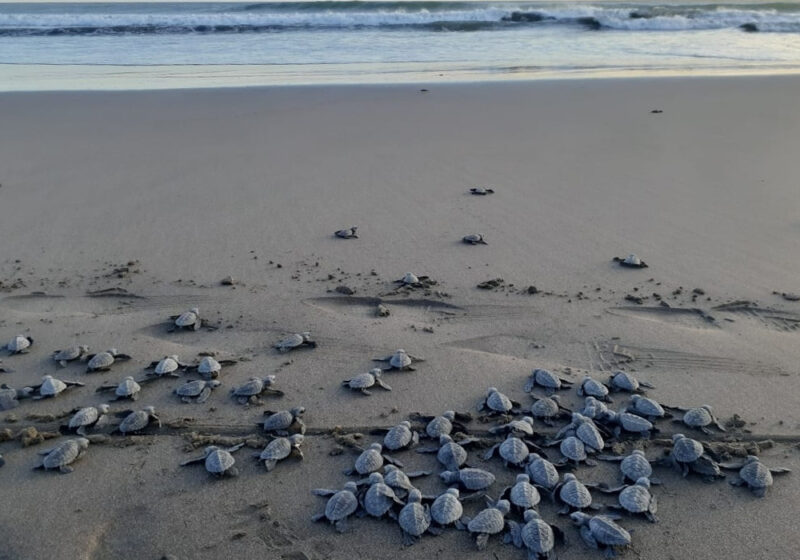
x=384 y=489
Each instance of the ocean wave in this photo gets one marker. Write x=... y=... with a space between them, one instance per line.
x=435 y=16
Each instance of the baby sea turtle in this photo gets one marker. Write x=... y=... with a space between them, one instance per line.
x=87 y=417
x=166 y=367
x=573 y=450
x=474 y=239
x=279 y=449
x=546 y=379
x=128 y=388
x=9 y=397
x=449 y=453
x=622 y=381
x=70 y=354
x=685 y=451
x=594 y=409
x=370 y=460
x=340 y=506
x=399 y=480
x=52 y=387
x=512 y=450
x=754 y=474
x=631 y=261
x=637 y=499
x=348 y=233
x=444 y=424
x=218 y=461
x=379 y=499
x=188 y=320
x=481 y=191
x=537 y=536
x=590 y=387
x=523 y=494
x=20 y=344
x=447 y=510
x=469 y=479
x=197 y=390
x=102 y=361
x=296 y=340
x=210 y=368
x=648 y=408
x=600 y=532
x=633 y=467
x=496 y=402
x=700 y=418
x=281 y=422
x=585 y=430
x=542 y=472
x=630 y=423
x=364 y=381
x=414 y=519
x=253 y=388
x=548 y=409
x=517 y=428
x=400 y=437
x=490 y=521
x=138 y=420
x=572 y=494
x=399 y=361
x=64 y=454
x=409 y=279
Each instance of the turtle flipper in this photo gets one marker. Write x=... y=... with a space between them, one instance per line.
x=481 y=540
x=65 y=469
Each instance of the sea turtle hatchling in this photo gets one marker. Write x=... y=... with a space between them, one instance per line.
x=474 y=239
x=469 y=478
x=414 y=519
x=400 y=360
x=188 y=321
x=447 y=510
x=754 y=474
x=400 y=481
x=197 y=390
x=400 y=437
x=347 y=233
x=646 y=407
x=623 y=381
x=496 y=403
x=210 y=368
x=280 y=423
x=490 y=521
x=542 y=472
x=481 y=191
x=364 y=381
x=633 y=467
x=138 y=420
x=279 y=449
x=450 y=454
x=512 y=450
x=295 y=341
x=10 y=397
x=341 y=505
x=102 y=361
x=254 y=388
x=626 y=422
x=437 y=426
x=572 y=494
x=585 y=430
x=87 y=417
x=379 y=499
x=63 y=455
x=631 y=261
x=536 y=535
x=638 y=500
x=595 y=409
x=20 y=344
x=166 y=367
x=601 y=532
x=218 y=461
x=590 y=387
x=685 y=451
x=700 y=418
x=573 y=449
x=51 y=387
x=547 y=380
x=370 y=460
x=518 y=428
x=128 y=388
x=523 y=495
x=70 y=354
x=548 y=409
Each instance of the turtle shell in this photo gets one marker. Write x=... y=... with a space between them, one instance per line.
x=135 y=421
x=574 y=493
x=524 y=426
x=165 y=366
x=51 y=387
x=543 y=378
x=524 y=494
x=291 y=341
x=18 y=344
x=498 y=402
x=697 y=417
x=635 y=499
x=191 y=388
x=756 y=475
x=395 y=478
x=127 y=388
x=447 y=508
x=100 y=360
x=361 y=381
x=400 y=360
x=588 y=433
x=370 y=460
x=379 y=498
x=276 y=450
x=606 y=532
x=573 y=448
x=84 y=417
x=68 y=354
x=441 y=425
x=622 y=381
x=537 y=535
x=414 y=519
x=544 y=408
x=543 y=473
x=687 y=450
x=278 y=421
x=633 y=423
x=186 y=319
x=208 y=366
x=593 y=388
x=219 y=461
x=409 y=278
x=475 y=479
x=636 y=466
x=451 y=454
x=513 y=450
x=341 y=505
x=65 y=453
x=646 y=407
x=251 y=387
x=490 y=521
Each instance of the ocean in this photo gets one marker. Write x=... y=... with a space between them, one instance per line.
x=164 y=45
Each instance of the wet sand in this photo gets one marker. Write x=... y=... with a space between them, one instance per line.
x=163 y=194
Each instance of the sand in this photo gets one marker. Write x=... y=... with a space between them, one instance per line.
x=163 y=194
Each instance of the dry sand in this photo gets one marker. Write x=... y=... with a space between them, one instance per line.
x=192 y=186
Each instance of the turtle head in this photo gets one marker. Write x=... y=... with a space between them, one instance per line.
x=83 y=443
x=174 y=357
x=376 y=447
x=388 y=469
x=579 y=518
x=637 y=452
x=523 y=478
x=643 y=481
x=533 y=457
x=151 y=410
x=569 y=477
x=503 y=506
x=750 y=459
x=214 y=383
x=557 y=399
x=351 y=486
x=83 y=348
x=297 y=411
x=405 y=424
x=530 y=515
x=195 y=310
x=112 y=351
x=453 y=491
x=269 y=380
x=376 y=372
x=491 y=390
x=636 y=398
x=129 y=378
x=210 y=449
x=707 y=407
x=296 y=439
x=415 y=496
x=444 y=438
x=677 y=437
x=400 y=351
x=306 y=335
x=448 y=477
x=449 y=414
x=527 y=420
x=375 y=478
x=103 y=408
x=47 y=377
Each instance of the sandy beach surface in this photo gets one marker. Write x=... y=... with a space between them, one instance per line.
x=158 y=196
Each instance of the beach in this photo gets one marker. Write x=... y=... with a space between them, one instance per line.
x=158 y=196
